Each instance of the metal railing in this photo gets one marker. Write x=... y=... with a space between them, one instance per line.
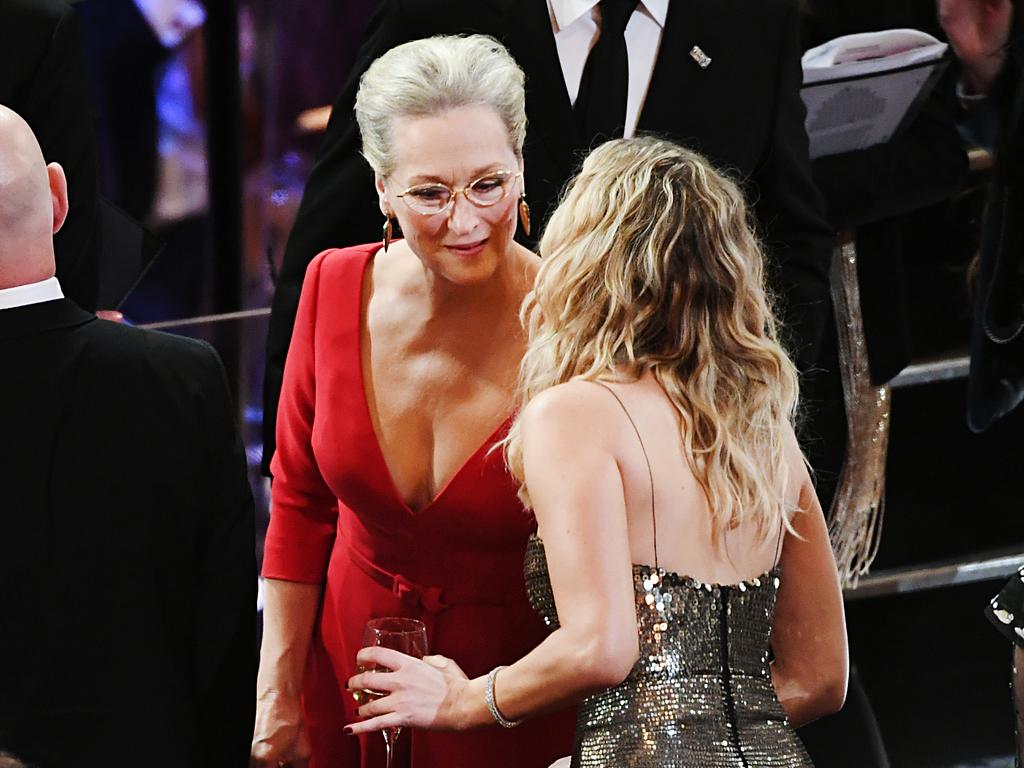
x=982 y=566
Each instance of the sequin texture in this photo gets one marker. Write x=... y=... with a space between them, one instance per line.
x=700 y=695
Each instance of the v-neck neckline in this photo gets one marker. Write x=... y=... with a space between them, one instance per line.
x=385 y=469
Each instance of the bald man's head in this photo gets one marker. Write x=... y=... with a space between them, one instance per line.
x=33 y=204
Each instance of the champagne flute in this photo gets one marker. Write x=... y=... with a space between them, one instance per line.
x=406 y=635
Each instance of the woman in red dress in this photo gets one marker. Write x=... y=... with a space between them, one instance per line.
x=387 y=500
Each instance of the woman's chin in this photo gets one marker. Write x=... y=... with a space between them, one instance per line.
x=469 y=266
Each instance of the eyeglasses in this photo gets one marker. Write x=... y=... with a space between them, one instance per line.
x=486 y=191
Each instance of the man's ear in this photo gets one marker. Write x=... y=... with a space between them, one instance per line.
x=58 y=195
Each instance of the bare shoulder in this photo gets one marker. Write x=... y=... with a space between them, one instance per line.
x=794 y=453
x=570 y=412
x=528 y=265
x=799 y=476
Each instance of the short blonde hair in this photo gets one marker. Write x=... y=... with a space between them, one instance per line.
x=651 y=264
x=430 y=76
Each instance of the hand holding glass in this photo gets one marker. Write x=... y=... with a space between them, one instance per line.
x=408 y=636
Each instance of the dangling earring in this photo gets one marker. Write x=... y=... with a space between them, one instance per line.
x=524 y=213
x=386 y=234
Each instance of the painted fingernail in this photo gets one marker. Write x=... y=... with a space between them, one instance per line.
x=348 y=730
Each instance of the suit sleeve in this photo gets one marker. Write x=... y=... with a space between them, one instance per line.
x=791 y=211
x=225 y=627
x=924 y=166
x=304 y=511
x=339 y=208
x=57 y=107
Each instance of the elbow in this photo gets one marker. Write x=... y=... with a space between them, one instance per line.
x=607 y=660
x=831 y=694
x=835 y=679
x=810 y=691
x=826 y=691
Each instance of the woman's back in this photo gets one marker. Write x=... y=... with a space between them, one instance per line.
x=700 y=694
x=683 y=522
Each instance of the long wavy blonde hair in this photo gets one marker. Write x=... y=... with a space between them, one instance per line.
x=650 y=263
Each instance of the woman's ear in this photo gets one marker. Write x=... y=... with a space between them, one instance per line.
x=382 y=196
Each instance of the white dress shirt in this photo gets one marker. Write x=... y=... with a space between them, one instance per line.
x=576 y=26
x=32 y=293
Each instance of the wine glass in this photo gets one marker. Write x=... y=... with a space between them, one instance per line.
x=406 y=635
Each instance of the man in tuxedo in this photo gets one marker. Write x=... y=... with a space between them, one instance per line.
x=720 y=76
x=42 y=77
x=127 y=568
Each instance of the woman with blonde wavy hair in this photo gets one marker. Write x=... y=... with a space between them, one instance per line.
x=682 y=558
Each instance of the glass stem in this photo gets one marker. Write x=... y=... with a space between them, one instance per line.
x=390 y=735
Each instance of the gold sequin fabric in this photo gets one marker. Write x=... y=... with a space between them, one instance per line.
x=700 y=695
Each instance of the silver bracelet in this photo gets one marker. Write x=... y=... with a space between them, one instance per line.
x=489 y=697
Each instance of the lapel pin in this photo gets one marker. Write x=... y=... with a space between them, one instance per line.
x=702 y=59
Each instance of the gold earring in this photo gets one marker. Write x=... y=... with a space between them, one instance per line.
x=524 y=213
x=386 y=234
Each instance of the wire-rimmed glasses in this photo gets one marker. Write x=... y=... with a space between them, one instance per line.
x=435 y=197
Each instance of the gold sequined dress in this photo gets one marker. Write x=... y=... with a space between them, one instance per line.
x=700 y=695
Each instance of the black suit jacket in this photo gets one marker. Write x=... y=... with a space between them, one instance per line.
x=43 y=79
x=744 y=112
x=127 y=566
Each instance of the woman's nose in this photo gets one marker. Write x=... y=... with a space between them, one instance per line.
x=463 y=216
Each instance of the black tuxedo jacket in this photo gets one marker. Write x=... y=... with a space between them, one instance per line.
x=744 y=112
x=127 y=567
x=43 y=79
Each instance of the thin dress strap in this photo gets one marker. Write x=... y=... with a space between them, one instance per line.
x=778 y=546
x=650 y=473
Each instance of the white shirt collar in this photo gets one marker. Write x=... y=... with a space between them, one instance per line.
x=567 y=12
x=32 y=293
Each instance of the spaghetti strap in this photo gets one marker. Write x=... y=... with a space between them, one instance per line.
x=778 y=546
x=650 y=473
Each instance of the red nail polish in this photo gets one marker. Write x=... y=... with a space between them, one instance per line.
x=348 y=730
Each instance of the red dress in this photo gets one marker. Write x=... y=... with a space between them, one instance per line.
x=338 y=520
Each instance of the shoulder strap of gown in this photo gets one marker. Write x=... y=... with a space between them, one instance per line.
x=650 y=473
x=778 y=545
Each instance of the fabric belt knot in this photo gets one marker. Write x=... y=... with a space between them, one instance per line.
x=429 y=598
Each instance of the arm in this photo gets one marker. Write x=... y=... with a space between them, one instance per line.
x=225 y=625
x=581 y=512
x=339 y=208
x=303 y=522
x=289 y=614
x=809 y=635
x=924 y=166
x=791 y=212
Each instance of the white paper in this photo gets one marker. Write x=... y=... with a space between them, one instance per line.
x=880 y=73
